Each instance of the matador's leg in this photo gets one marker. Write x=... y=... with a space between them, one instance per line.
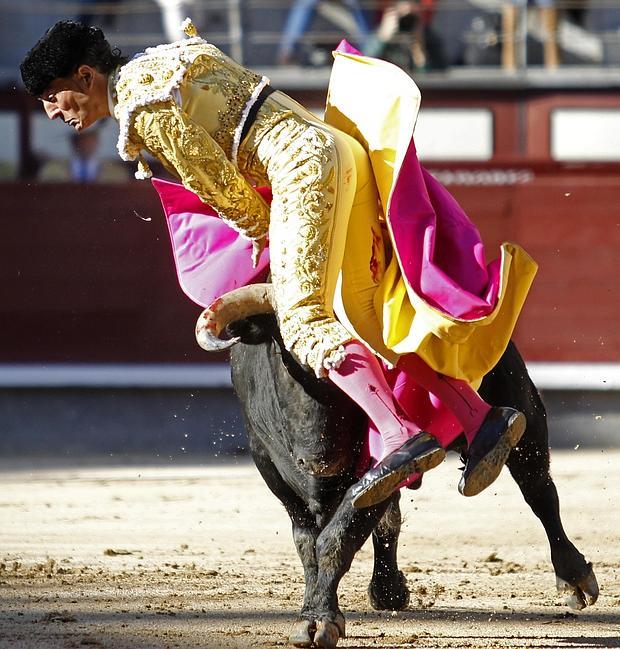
x=316 y=187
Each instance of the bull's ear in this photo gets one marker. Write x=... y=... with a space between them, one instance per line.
x=253 y=330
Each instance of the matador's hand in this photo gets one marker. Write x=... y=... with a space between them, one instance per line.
x=258 y=245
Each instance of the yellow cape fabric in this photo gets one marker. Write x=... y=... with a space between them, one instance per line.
x=377 y=103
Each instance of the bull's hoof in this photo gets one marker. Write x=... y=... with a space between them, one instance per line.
x=584 y=592
x=390 y=596
x=302 y=634
x=327 y=634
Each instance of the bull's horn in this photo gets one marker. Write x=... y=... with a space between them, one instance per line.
x=235 y=305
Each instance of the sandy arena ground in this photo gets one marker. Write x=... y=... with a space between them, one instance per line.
x=190 y=557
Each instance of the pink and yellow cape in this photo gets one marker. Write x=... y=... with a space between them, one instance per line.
x=438 y=298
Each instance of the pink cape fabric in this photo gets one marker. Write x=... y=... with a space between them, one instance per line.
x=441 y=253
x=210 y=257
x=440 y=250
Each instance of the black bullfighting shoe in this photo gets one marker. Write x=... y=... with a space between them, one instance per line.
x=500 y=432
x=419 y=453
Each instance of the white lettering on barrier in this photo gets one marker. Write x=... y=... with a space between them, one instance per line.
x=497 y=177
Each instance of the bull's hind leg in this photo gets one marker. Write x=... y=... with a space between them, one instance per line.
x=388 y=589
x=528 y=463
x=529 y=466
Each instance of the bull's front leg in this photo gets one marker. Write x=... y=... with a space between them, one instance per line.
x=388 y=589
x=305 y=533
x=335 y=548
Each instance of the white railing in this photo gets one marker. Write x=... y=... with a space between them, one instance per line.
x=559 y=376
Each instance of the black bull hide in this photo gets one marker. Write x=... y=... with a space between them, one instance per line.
x=305 y=435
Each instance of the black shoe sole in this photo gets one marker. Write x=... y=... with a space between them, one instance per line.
x=490 y=466
x=384 y=487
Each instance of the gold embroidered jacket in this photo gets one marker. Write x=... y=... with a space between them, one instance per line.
x=185 y=103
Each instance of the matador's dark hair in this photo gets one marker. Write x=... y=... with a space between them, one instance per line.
x=66 y=46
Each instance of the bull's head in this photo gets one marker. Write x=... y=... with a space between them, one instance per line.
x=316 y=421
x=239 y=304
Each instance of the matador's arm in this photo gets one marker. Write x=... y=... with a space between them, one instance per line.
x=187 y=148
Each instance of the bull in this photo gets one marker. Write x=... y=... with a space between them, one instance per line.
x=305 y=436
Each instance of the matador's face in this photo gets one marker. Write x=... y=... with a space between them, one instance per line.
x=75 y=99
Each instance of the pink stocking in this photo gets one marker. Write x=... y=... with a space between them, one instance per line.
x=361 y=377
x=464 y=402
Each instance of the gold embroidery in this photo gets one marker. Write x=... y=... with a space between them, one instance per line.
x=191 y=67
x=299 y=161
x=215 y=74
x=270 y=114
x=186 y=148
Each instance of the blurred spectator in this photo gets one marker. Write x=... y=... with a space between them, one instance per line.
x=604 y=23
x=85 y=164
x=173 y=13
x=481 y=40
x=549 y=19
x=578 y=15
x=299 y=18
x=405 y=36
x=91 y=15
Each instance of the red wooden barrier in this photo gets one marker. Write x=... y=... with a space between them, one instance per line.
x=85 y=278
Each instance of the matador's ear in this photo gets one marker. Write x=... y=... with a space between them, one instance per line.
x=189 y=28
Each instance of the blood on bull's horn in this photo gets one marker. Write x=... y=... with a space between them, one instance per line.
x=236 y=305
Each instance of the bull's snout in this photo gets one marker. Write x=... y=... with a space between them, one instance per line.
x=320 y=465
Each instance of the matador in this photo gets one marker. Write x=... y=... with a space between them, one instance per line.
x=371 y=258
